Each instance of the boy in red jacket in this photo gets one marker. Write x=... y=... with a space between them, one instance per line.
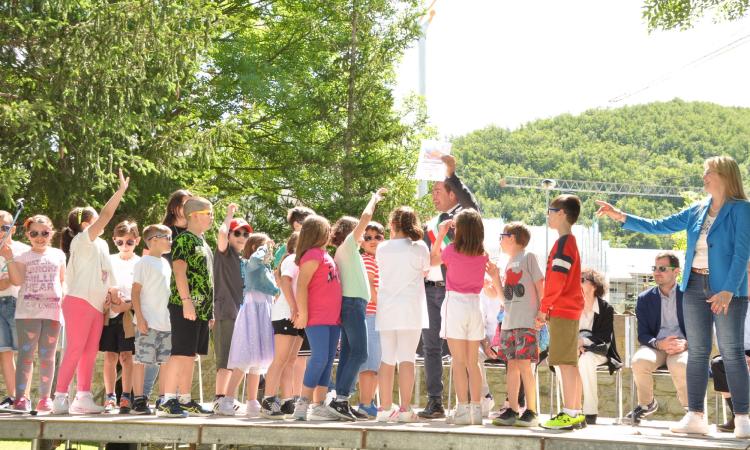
x=561 y=307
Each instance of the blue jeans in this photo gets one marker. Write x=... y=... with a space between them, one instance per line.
x=8 y=337
x=730 y=336
x=323 y=341
x=353 y=343
x=149 y=378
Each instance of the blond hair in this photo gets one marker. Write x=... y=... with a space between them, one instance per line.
x=726 y=167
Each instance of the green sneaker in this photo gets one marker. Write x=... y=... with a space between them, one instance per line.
x=563 y=421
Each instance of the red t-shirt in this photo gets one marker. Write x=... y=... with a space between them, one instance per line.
x=372 y=269
x=324 y=290
x=563 y=296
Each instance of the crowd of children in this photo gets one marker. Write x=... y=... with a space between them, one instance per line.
x=283 y=316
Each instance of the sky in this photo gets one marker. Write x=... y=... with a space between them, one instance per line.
x=506 y=63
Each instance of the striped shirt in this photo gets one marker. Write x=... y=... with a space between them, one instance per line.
x=371 y=265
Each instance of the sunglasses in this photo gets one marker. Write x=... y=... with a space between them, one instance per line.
x=207 y=212
x=5 y=228
x=238 y=233
x=505 y=235
x=120 y=242
x=661 y=268
x=553 y=210
x=377 y=237
x=44 y=233
x=168 y=237
x=583 y=279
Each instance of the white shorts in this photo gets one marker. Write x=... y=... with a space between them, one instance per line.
x=399 y=346
x=461 y=317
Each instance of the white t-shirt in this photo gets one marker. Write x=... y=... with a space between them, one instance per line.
x=154 y=275
x=89 y=272
x=700 y=260
x=124 y=270
x=402 y=303
x=41 y=291
x=17 y=248
x=281 y=308
x=490 y=308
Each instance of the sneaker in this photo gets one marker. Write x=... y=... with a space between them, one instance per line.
x=563 y=421
x=252 y=409
x=84 y=404
x=159 y=401
x=408 y=416
x=321 y=412
x=462 y=416
x=22 y=404
x=171 y=408
x=487 y=402
x=741 y=426
x=475 y=409
x=591 y=419
x=433 y=410
x=194 y=409
x=270 y=408
x=140 y=407
x=44 y=405
x=388 y=415
x=694 y=423
x=527 y=419
x=359 y=415
x=7 y=403
x=340 y=409
x=109 y=403
x=125 y=405
x=371 y=410
x=726 y=427
x=288 y=407
x=507 y=418
x=300 y=409
x=635 y=416
x=225 y=406
x=60 y=405
x=215 y=405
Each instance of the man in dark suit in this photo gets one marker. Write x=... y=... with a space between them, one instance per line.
x=661 y=333
x=449 y=197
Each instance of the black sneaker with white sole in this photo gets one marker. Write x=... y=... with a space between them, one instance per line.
x=288 y=407
x=341 y=409
x=639 y=412
x=271 y=409
x=140 y=406
x=194 y=409
x=358 y=415
x=170 y=408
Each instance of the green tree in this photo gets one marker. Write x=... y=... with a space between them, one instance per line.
x=682 y=14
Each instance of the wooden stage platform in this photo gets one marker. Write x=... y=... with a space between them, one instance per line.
x=370 y=435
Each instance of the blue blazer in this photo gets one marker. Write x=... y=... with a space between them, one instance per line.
x=648 y=314
x=728 y=241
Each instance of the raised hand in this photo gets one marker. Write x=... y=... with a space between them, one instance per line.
x=124 y=182
x=606 y=209
x=450 y=164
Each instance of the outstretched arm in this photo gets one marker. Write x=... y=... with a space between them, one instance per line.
x=366 y=216
x=109 y=209
x=222 y=238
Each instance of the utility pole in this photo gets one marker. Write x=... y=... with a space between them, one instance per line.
x=422 y=45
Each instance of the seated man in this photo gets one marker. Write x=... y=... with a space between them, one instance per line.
x=661 y=333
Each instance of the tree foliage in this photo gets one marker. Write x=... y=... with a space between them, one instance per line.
x=655 y=144
x=682 y=14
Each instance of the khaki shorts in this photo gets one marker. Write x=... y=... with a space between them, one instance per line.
x=563 y=342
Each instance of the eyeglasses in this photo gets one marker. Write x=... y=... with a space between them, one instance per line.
x=44 y=233
x=583 y=279
x=5 y=228
x=168 y=237
x=553 y=210
x=238 y=233
x=120 y=242
x=661 y=268
x=377 y=237
x=505 y=235
x=208 y=212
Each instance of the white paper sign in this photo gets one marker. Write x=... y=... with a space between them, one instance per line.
x=429 y=166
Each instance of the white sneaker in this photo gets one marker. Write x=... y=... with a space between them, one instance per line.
x=388 y=415
x=60 y=405
x=691 y=423
x=84 y=404
x=408 y=416
x=475 y=411
x=487 y=403
x=741 y=426
x=331 y=395
x=252 y=408
x=300 y=409
x=321 y=412
x=225 y=407
x=462 y=415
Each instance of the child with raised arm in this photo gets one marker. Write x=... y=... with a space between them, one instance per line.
x=524 y=284
x=39 y=272
x=89 y=278
x=118 y=336
x=191 y=303
x=346 y=236
x=561 y=307
x=462 y=321
x=150 y=293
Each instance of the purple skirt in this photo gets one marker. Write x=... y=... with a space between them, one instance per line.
x=252 y=340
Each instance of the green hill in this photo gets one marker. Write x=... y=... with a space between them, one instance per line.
x=654 y=144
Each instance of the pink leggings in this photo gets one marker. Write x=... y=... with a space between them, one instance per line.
x=83 y=328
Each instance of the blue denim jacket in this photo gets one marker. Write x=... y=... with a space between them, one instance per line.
x=257 y=275
x=728 y=241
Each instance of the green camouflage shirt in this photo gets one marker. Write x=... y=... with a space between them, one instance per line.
x=197 y=254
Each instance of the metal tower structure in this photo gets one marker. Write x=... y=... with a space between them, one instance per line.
x=598 y=187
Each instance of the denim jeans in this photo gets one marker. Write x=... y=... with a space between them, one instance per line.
x=8 y=337
x=729 y=335
x=323 y=341
x=433 y=346
x=353 y=343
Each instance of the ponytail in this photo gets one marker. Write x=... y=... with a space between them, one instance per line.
x=406 y=221
x=76 y=217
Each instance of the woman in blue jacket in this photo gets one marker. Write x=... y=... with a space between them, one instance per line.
x=714 y=282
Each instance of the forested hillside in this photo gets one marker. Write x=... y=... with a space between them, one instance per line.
x=655 y=144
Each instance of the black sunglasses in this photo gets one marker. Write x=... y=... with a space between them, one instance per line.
x=377 y=237
x=120 y=242
x=661 y=268
x=553 y=210
x=238 y=233
x=168 y=237
x=44 y=233
x=505 y=235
